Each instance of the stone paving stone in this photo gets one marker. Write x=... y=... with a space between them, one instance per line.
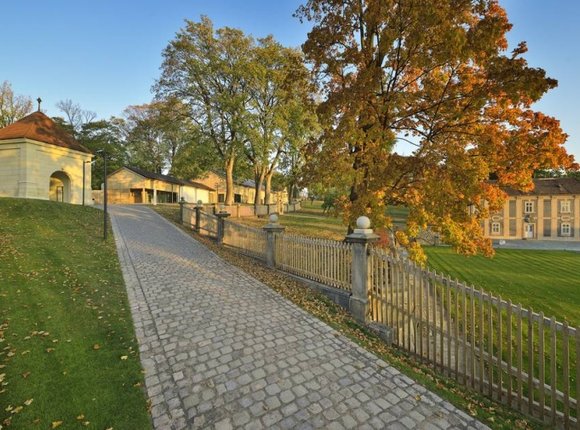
x=220 y=350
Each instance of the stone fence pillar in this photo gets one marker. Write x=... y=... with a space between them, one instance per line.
x=198 y=209
x=181 y=203
x=361 y=238
x=271 y=229
x=221 y=216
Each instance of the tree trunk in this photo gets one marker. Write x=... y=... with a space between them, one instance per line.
x=258 y=182
x=268 y=190
x=230 y=181
x=292 y=191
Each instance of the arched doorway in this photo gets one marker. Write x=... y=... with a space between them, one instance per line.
x=59 y=189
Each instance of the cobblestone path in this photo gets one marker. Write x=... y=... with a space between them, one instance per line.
x=221 y=350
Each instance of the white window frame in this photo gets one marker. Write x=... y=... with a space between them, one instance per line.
x=495 y=228
x=565 y=206
x=528 y=206
x=568 y=228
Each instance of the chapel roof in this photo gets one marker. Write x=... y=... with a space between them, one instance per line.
x=37 y=126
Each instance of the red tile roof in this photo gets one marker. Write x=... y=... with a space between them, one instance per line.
x=37 y=126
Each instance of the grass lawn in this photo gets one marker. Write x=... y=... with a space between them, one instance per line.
x=68 y=353
x=547 y=281
x=310 y=221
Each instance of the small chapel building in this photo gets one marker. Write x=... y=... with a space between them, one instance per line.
x=40 y=160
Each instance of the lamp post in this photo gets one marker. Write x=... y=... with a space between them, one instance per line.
x=104 y=154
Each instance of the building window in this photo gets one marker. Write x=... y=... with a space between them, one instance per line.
x=528 y=207
x=565 y=206
x=565 y=229
x=495 y=228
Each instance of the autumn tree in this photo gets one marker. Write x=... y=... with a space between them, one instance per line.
x=207 y=69
x=436 y=74
x=12 y=107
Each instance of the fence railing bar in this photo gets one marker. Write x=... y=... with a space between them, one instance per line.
x=530 y=363
x=553 y=366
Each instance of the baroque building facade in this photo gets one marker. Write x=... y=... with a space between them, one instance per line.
x=550 y=212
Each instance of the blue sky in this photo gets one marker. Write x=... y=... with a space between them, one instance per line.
x=105 y=54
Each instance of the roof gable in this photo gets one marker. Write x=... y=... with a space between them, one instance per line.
x=38 y=126
x=167 y=178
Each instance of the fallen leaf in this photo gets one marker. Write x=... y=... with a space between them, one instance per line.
x=96 y=346
x=55 y=424
x=49 y=350
x=28 y=402
x=16 y=410
x=81 y=417
x=26 y=375
x=124 y=357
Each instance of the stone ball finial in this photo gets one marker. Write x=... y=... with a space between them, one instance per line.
x=273 y=218
x=363 y=222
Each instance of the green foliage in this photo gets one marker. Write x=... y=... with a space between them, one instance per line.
x=557 y=173
x=248 y=99
x=69 y=351
x=108 y=136
x=156 y=133
x=280 y=106
x=208 y=70
x=329 y=200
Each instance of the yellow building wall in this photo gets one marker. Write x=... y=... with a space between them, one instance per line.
x=537 y=218
x=26 y=167
x=124 y=179
x=193 y=194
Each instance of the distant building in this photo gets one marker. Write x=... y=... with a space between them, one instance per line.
x=40 y=160
x=244 y=190
x=550 y=212
x=133 y=185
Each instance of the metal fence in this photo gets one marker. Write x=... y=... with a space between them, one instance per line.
x=510 y=354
